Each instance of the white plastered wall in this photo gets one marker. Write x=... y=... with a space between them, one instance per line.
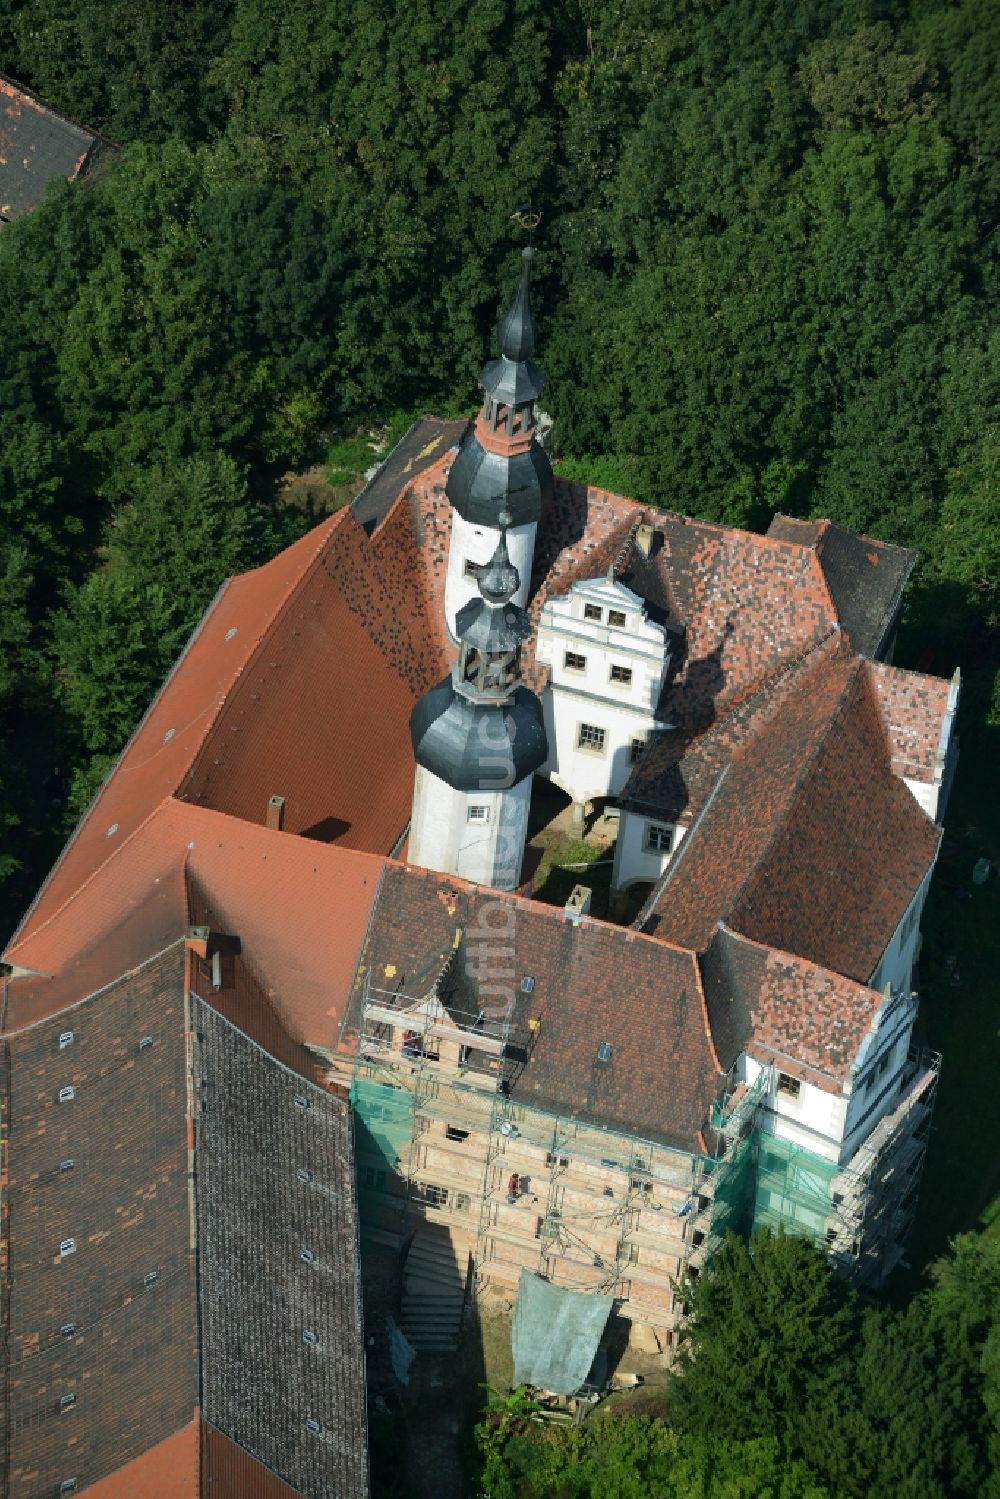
x=477 y=544
x=588 y=695
x=486 y=851
x=633 y=860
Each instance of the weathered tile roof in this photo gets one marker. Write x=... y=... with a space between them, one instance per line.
x=424 y=444
x=780 y=1008
x=866 y=578
x=913 y=709
x=593 y=983
x=808 y=842
x=36 y=145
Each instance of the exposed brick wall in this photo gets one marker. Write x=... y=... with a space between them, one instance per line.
x=261 y=1380
x=131 y=1361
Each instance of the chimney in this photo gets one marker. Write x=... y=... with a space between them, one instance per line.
x=196 y=940
x=644 y=538
x=578 y=904
x=276 y=813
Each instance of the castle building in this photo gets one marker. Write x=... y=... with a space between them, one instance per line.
x=287 y=990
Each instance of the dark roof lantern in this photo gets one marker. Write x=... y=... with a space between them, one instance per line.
x=513 y=384
x=492 y=631
x=517 y=331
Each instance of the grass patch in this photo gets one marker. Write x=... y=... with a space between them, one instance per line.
x=555 y=876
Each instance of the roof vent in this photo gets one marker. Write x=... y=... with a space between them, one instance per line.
x=605 y=1051
x=66 y=1095
x=304 y=1175
x=527 y=984
x=578 y=904
x=310 y=1337
x=300 y=1101
x=66 y=1038
x=313 y=1426
x=68 y=1329
x=169 y=735
x=68 y=1486
x=307 y=1256
x=67 y=1164
x=231 y=632
x=150 y=1277
x=67 y=1246
x=644 y=539
x=65 y=1401
x=111 y=830
x=145 y=1043
x=276 y=813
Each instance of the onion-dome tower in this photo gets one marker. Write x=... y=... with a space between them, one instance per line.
x=500 y=465
x=478 y=737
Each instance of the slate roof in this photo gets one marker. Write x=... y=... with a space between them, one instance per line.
x=866 y=578
x=425 y=443
x=807 y=842
x=36 y=145
x=782 y=1009
x=593 y=983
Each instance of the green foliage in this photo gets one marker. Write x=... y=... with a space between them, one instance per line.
x=631 y=1457
x=768 y=1326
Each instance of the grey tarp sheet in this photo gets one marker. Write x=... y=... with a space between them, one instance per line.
x=555 y=1334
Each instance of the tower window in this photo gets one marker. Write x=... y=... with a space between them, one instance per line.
x=591 y=611
x=591 y=738
x=478 y=814
x=616 y=618
x=789 y=1085
x=659 y=837
x=472 y=568
x=574 y=662
x=635 y=749
x=621 y=674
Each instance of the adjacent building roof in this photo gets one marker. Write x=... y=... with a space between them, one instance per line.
x=782 y=1009
x=37 y=143
x=594 y=984
x=808 y=842
x=866 y=578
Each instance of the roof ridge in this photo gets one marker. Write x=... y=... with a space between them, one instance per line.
x=700 y=988
x=782 y=671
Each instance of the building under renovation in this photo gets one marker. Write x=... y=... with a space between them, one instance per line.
x=288 y=990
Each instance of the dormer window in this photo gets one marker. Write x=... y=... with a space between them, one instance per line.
x=592 y=611
x=616 y=618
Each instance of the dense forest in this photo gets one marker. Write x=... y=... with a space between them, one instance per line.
x=766 y=280
x=767 y=277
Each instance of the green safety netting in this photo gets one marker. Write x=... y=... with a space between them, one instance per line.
x=383 y=1126
x=792 y=1188
x=556 y=1334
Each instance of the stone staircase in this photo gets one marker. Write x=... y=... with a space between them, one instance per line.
x=435 y=1276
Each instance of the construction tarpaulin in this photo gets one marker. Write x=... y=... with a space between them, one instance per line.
x=556 y=1334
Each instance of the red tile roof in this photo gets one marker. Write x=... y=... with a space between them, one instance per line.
x=170 y=1470
x=913 y=709
x=782 y=1009
x=808 y=842
x=593 y=983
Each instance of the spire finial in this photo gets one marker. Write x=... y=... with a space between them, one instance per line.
x=517 y=331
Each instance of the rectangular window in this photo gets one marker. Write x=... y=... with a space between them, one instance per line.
x=591 y=611
x=471 y=568
x=789 y=1085
x=436 y=1196
x=658 y=838
x=591 y=738
x=478 y=814
x=574 y=662
x=622 y=674
x=462 y=1202
x=635 y=749
x=616 y=618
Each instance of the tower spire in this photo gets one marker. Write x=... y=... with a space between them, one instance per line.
x=517 y=331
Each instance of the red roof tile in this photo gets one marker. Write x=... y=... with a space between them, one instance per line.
x=808 y=842
x=913 y=709
x=170 y=1470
